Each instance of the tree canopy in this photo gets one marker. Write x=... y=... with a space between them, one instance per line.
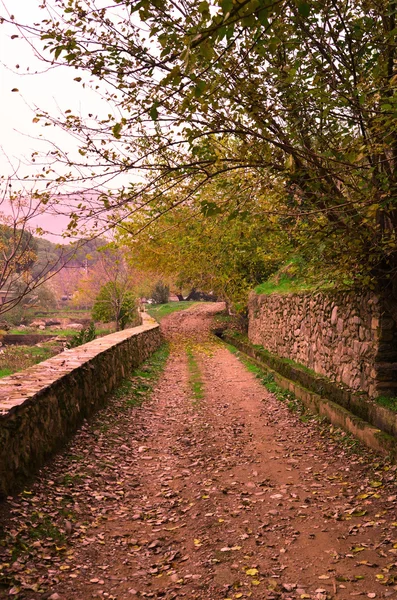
x=115 y=303
x=297 y=97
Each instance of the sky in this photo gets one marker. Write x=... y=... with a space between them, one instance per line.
x=38 y=87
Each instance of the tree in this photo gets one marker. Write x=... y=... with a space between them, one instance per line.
x=114 y=303
x=160 y=293
x=299 y=93
x=21 y=274
x=116 y=296
x=227 y=251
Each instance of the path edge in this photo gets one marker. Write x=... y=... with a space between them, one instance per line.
x=373 y=437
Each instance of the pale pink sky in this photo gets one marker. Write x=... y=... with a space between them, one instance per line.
x=39 y=87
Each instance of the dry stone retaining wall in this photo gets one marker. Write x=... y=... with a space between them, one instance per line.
x=41 y=407
x=347 y=337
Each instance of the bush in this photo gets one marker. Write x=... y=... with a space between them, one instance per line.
x=82 y=337
x=160 y=293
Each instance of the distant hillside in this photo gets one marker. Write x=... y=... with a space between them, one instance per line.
x=51 y=257
x=39 y=256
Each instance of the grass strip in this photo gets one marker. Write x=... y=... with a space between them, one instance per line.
x=195 y=381
x=159 y=311
x=139 y=385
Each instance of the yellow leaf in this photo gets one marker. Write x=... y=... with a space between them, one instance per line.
x=197 y=543
x=252 y=572
x=255 y=582
x=239 y=595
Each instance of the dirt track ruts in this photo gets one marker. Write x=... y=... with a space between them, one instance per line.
x=227 y=496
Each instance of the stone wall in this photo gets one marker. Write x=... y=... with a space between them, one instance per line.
x=41 y=407
x=347 y=337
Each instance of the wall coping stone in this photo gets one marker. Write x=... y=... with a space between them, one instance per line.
x=19 y=389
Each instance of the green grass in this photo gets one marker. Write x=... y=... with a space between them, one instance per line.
x=140 y=384
x=284 y=285
x=4 y=372
x=291 y=278
x=55 y=332
x=18 y=358
x=266 y=353
x=159 y=311
x=195 y=381
x=62 y=313
x=387 y=402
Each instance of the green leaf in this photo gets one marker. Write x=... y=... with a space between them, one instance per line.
x=304 y=9
x=153 y=112
x=116 y=129
x=200 y=87
x=203 y=7
x=226 y=6
x=209 y=209
x=58 y=52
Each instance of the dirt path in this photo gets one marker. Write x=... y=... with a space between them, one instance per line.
x=211 y=490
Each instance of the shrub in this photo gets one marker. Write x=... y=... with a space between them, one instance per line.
x=82 y=337
x=160 y=293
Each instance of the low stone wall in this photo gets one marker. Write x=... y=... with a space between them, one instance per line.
x=41 y=407
x=347 y=337
x=25 y=339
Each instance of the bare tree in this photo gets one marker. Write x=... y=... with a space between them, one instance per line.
x=24 y=263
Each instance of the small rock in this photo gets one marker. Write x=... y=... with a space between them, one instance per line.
x=68 y=527
x=54 y=597
x=289 y=587
x=75 y=326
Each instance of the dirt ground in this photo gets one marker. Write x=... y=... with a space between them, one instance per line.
x=212 y=489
